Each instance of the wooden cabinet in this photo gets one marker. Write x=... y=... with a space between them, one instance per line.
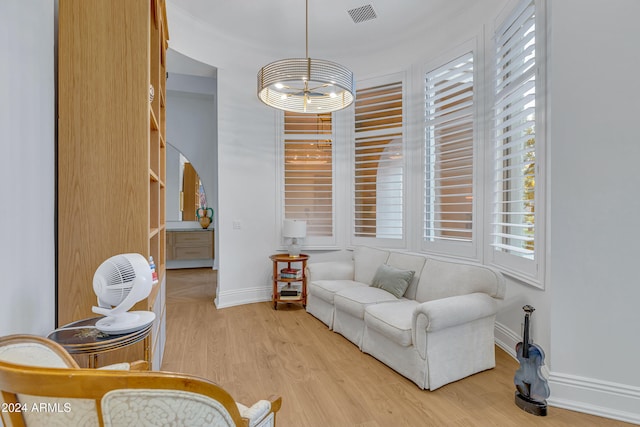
x=111 y=149
x=190 y=245
x=288 y=286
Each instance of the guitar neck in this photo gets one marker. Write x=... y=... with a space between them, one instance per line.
x=525 y=337
x=526 y=341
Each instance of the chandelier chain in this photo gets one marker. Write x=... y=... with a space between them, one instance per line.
x=305 y=85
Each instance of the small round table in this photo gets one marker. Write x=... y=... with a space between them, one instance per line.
x=288 y=276
x=82 y=337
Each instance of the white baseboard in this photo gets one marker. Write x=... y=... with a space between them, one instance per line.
x=232 y=298
x=601 y=398
x=506 y=339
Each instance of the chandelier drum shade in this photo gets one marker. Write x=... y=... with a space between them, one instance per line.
x=305 y=85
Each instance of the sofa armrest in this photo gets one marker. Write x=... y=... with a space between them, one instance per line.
x=436 y=315
x=329 y=270
x=444 y=313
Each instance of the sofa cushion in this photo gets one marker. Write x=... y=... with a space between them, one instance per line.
x=405 y=261
x=354 y=300
x=366 y=261
x=442 y=279
x=393 y=280
x=393 y=320
x=326 y=289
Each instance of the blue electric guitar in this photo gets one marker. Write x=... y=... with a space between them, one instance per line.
x=532 y=386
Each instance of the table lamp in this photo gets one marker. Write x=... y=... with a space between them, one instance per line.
x=294 y=229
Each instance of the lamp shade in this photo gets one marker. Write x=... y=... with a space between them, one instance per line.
x=294 y=228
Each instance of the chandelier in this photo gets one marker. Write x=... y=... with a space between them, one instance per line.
x=305 y=85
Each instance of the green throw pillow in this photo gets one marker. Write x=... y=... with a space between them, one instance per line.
x=392 y=280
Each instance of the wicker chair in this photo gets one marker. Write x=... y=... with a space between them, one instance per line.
x=41 y=385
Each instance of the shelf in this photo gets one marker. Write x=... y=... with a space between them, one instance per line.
x=290 y=298
x=289 y=279
x=152 y=119
x=151 y=300
x=297 y=290
x=153 y=232
x=153 y=176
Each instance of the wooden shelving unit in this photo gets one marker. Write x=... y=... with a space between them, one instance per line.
x=111 y=150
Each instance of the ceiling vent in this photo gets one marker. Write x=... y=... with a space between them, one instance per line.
x=362 y=13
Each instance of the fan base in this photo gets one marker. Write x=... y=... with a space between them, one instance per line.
x=125 y=323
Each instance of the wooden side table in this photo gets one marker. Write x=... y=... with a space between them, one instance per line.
x=82 y=337
x=293 y=293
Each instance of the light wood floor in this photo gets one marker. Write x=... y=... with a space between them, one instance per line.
x=254 y=351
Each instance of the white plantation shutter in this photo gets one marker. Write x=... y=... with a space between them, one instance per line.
x=379 y=165
x=308 y=173
x=449 y=160
x=514 y=216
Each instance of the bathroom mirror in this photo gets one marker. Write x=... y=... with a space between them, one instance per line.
x=185 y=192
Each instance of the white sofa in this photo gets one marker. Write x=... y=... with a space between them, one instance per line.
x=439 y=331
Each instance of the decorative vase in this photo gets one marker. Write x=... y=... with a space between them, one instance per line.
x=205 y=215
x=205 y=221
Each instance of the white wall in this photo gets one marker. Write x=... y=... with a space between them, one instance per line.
x=595 y=151
x=191 y=128
x=246 y=189
x=27 y=261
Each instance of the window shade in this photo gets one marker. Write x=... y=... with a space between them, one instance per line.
x=514 y=216
x=449 y=152
x=308 y=171
x=379 y=164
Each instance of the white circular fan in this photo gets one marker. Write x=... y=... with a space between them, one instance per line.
x=120 y=282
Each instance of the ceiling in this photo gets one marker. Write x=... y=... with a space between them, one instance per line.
x=182 y=64
x=278 y=26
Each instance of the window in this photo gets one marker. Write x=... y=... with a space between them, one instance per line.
x=379 y=163
x=308 y=174
x=449 y=157
x=516 y=229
